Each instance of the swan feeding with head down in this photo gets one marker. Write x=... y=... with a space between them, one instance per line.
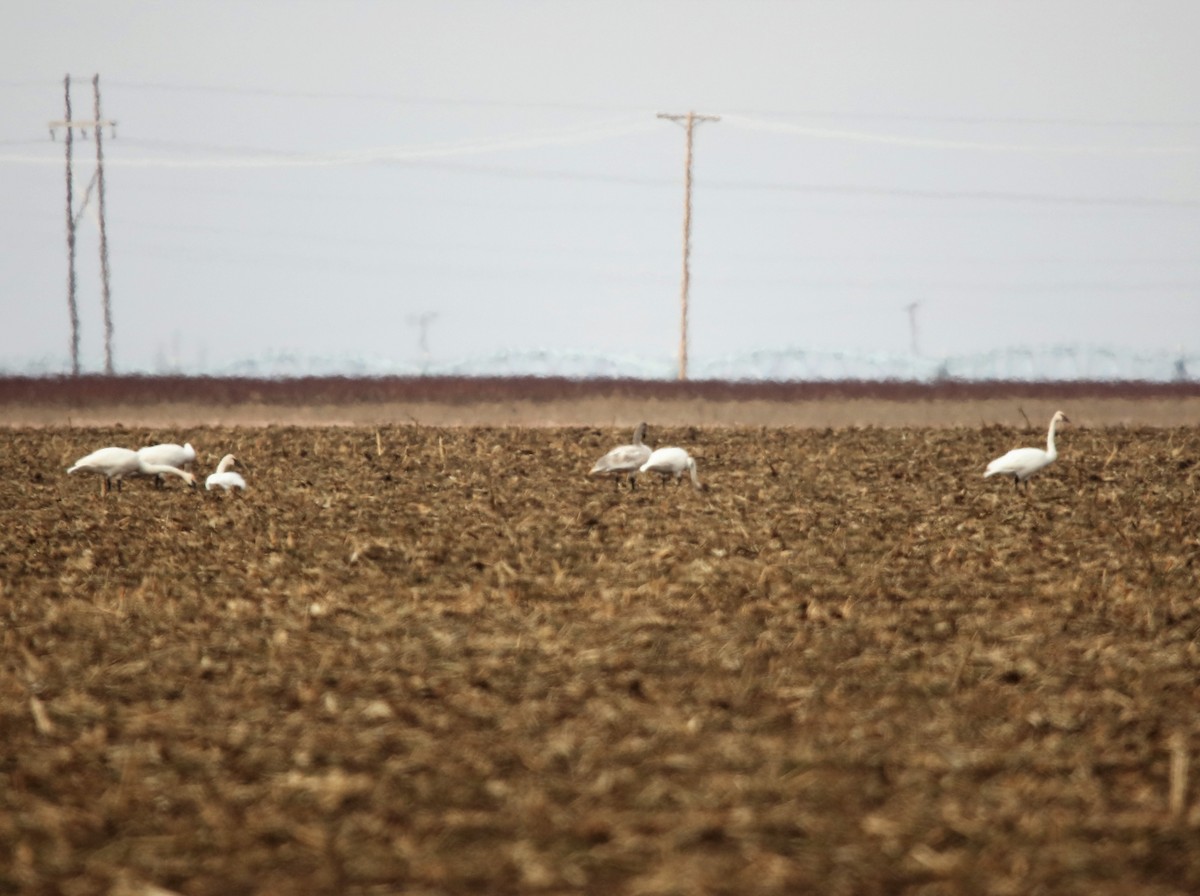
x=115 y=464
x=225 y=478
x=669 y=462
x=1021 y=463
x=625 y=460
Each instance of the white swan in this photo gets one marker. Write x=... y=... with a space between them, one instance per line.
x=168 y=453
x=670 y=462
x=1021 y=463
x=224 y=477
x=114 y=464
x=625 y=460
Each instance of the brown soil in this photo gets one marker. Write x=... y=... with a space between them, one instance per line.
x=430 y=659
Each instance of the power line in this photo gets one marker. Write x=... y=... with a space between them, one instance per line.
x=516 y=172
x=814 y=114
x=780 y=127
x=986 y=195
x=568 y=136
x=397 y=98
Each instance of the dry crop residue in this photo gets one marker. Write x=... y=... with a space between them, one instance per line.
x=445 y=661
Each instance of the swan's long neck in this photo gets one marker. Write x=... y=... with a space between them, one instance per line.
x=1050 y=449
x=225 y=464
x=158 y=469
x=637 y=436
x=692 y=470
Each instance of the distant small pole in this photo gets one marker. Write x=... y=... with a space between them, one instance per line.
x=689 y=120
x=422 y=322
x=912 y=324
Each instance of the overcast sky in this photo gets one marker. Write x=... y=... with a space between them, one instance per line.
x=318 y=177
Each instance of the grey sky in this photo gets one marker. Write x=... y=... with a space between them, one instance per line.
x=310 y=177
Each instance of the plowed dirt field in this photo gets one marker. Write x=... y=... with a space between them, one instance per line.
x=426 y=660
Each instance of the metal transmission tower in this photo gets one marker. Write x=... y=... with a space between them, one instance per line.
x=689 y=120
x=97 y=124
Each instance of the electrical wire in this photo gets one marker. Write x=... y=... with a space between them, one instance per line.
x=780 y=127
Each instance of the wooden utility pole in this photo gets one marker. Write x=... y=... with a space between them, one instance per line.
x=108 y=324
x=72 y=308
x=97 y=124
x=689 y=121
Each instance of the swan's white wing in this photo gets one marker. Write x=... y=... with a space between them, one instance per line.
x=108 y=461
x=666 y=460
x=1018 y=462
x=624 y=459
x=169 y=454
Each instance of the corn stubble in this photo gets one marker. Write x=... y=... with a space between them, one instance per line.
x=445 y=661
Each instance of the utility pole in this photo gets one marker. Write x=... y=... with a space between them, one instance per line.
x=689 y=120
x=69 y=125
x=911 y=308
x=107 y=297
x=72 y=308
x=422 y=322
